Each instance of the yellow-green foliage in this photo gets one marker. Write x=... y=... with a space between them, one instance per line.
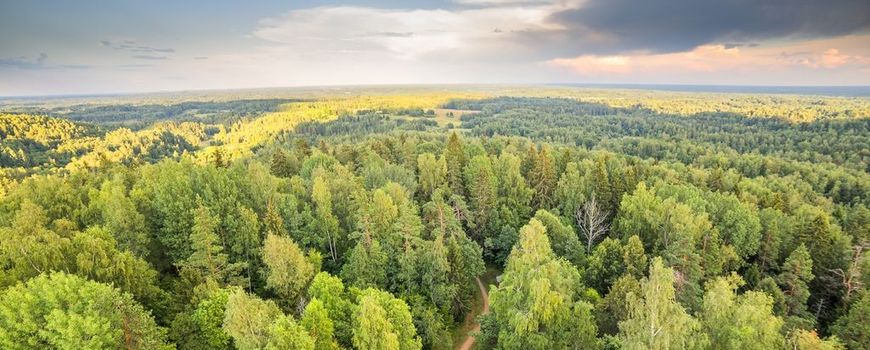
x=126 y=146
x=37 y=128
x=244 y=135
x=795 y=108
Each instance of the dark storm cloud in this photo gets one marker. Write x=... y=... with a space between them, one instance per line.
x=614 y=26
x=134 y=46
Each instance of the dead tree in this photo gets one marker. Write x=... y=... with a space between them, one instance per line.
x=592 y=220
x=851 y=278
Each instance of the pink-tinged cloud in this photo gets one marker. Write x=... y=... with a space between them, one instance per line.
x=842 y=54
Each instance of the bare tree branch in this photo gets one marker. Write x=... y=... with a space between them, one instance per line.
x=851 y=278
x=592 y=221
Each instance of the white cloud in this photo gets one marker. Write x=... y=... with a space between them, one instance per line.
x=402 y=34
x=506 y=2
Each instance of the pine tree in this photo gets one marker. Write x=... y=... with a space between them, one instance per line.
x=514 y=195
x=797 y=273
x=208 y=257
x=602 y=186
x=464 y=256
x=454 y=155
x=543 y=179
x=482 y=195
x=281 y=166
x=366 y=265
x=854 y=327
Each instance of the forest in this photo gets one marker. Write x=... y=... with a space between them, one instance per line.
x=452 y=217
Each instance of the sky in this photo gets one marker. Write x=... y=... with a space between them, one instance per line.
x=52 y=47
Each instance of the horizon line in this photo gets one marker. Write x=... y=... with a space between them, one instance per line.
x=638 y=86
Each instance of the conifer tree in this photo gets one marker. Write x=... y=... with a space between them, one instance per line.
x=454 y=155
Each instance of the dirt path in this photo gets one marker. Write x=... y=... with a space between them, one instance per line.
x=469 y=341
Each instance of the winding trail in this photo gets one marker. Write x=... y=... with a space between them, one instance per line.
x=469 y=340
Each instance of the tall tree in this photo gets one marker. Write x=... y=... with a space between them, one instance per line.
x=60 y=311
x=285 y=333
x=809 y=340
x=592 y=220
x=432 y=174
x=28 y=247
x=463 y=255
x=383 y=322
x=482 y=195
x=535 y=306
x=744 y=321
x=288 y=270
x=454 y=155
x=316 y=320
x=208 y=257
x=562 y=237
x=284 y=164
x=330 y=290
x=634 y=257
x=209 y=317
x=854 y=327
x=797 y=273
x=514 y=195
x=248 y=320
x=572 y=188
x=605 y=265
x=543 y=179
x=611 y=310
x=602 y=185
x=326 y=223
x=120 y=216
x=656 y=321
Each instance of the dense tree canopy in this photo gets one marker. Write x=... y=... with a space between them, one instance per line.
x=596 y=219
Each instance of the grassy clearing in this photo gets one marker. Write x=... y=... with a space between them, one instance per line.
x=443 y=117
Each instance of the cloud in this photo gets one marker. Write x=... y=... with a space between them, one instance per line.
x=133 y=66
x=829 y=59
x=502 y=2
x=134 y=46
x=23 y=62
x=36 y=63
x=662 y=26
x=701 y=59
x=150 y=57
x=365 y=32
x=733 y=45
x=539 y=30
x=719 y=58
